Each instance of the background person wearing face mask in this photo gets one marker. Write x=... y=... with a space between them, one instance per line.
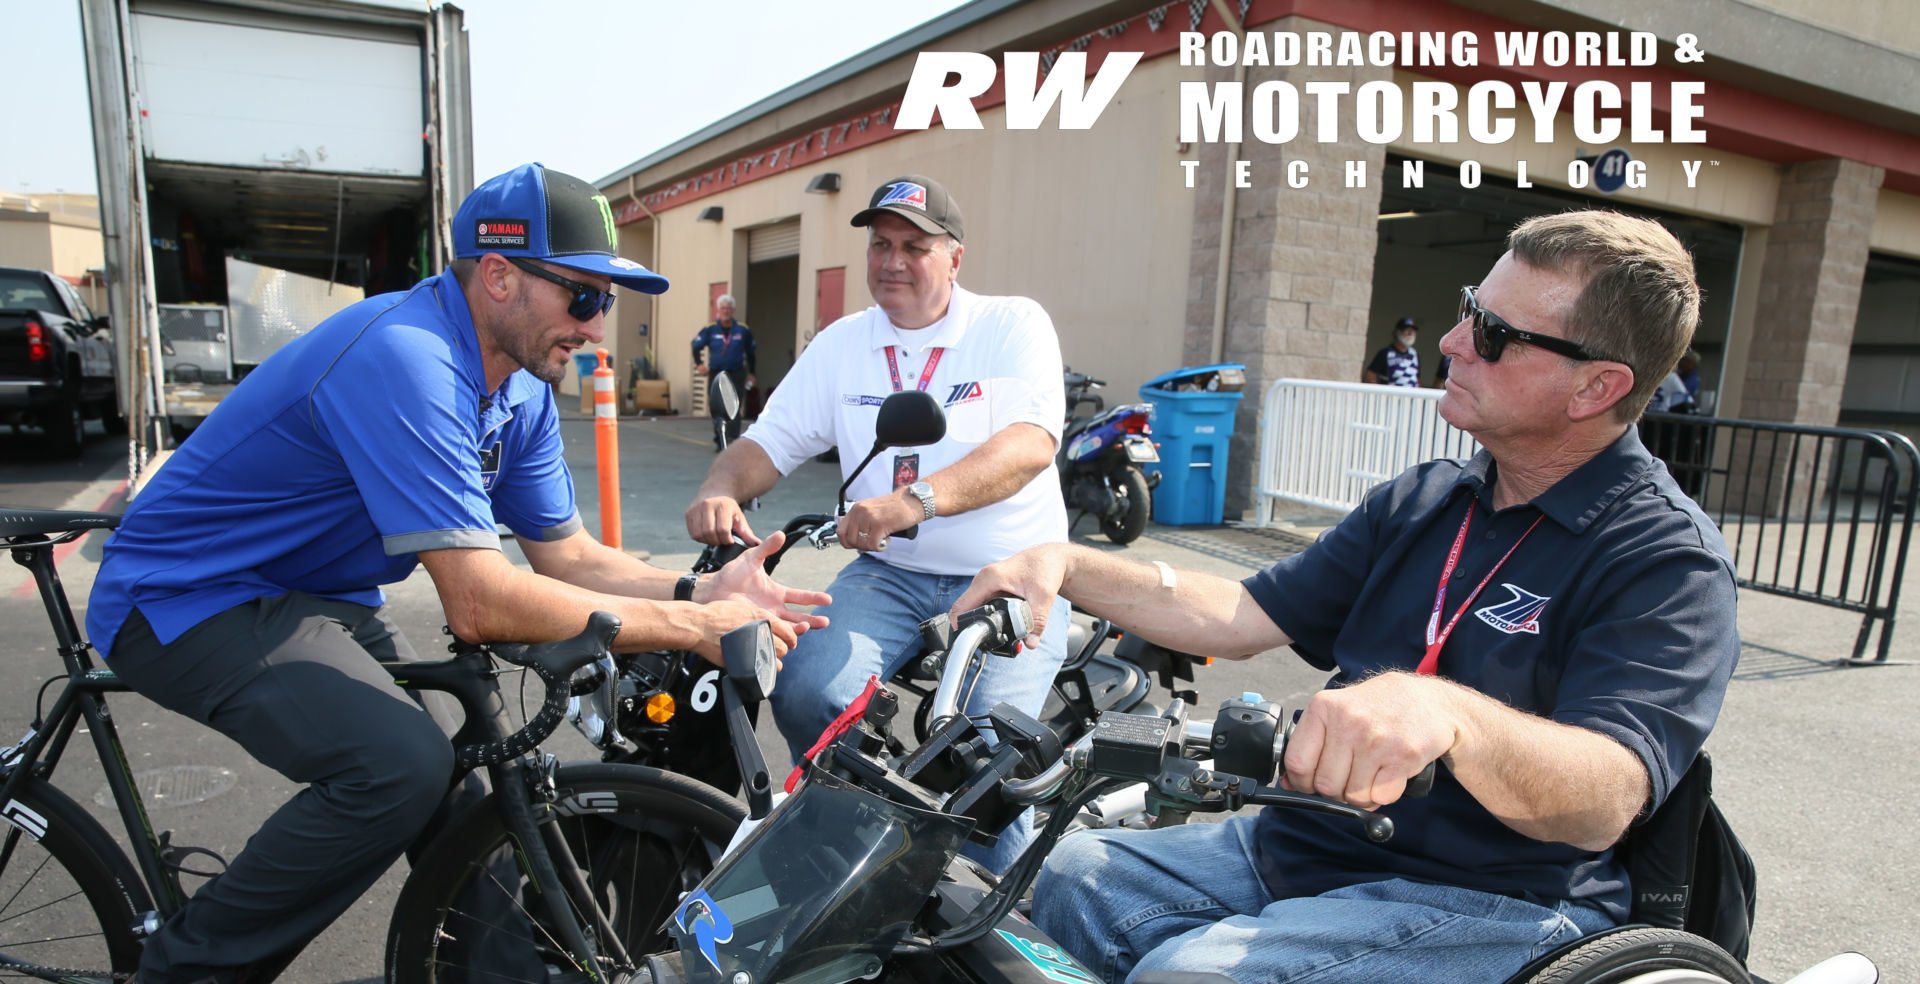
x=1397 y=364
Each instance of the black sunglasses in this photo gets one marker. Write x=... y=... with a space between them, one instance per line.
x=1491 y=333
x=588 y=300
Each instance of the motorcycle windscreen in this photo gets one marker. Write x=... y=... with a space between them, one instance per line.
x=820 y=892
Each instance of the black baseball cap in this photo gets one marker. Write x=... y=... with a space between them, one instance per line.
x=919 y=200
x=542 y=214
x=1406 y=323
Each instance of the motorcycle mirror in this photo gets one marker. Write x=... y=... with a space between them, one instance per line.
x=909 y=418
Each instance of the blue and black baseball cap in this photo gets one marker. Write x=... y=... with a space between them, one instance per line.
x=536 y=212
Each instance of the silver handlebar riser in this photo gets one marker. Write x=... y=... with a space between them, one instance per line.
x=946 y=698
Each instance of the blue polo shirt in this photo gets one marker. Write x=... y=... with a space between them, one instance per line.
x=354 y=447
x=1616 y=615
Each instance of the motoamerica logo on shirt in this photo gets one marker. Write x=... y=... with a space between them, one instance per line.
x=1519 y=614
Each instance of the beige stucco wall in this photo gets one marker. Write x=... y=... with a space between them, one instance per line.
x=1890 y=23
x=1896 y=224
x=45 y=242
x=1092 y=224
x=1098 y=226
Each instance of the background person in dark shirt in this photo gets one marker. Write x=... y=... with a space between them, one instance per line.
x=730 y=350
x=1397 y=364
x=1551 y=620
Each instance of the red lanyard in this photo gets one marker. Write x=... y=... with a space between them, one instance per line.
x=1436 y=636
x=926 y=374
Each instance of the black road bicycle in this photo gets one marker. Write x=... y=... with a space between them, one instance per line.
x=555 y=871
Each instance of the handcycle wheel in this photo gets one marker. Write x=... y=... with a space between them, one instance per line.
x=68 y=896
x=640 y=838
x=1623 y=954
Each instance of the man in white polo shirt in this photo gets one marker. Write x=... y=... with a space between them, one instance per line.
x=986 y=492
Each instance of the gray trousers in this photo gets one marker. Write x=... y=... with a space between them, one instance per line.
x=293 y=680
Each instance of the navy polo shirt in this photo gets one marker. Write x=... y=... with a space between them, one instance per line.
x=1616 y=615
x=728 y=349
x=354 y=447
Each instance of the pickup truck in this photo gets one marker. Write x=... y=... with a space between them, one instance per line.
x=56 y=360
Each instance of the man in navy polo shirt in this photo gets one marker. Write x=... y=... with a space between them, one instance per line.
x=1552 y=620
x=242 y=588
x=730 y=351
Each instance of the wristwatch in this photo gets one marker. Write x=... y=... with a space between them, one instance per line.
x=924 y=493
x=683 y=588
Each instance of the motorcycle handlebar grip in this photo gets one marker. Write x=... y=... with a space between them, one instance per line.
x=908 y=533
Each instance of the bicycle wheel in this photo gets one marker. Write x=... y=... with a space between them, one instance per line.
x=69 y=898
x=639 y=837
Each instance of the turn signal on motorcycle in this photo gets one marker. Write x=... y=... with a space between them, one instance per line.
x=660 y=708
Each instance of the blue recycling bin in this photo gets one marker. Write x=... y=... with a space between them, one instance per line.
x=1193 y=423
x=584 y=363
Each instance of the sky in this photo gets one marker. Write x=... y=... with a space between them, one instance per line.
x=594 y=84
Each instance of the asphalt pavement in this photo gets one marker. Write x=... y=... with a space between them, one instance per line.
x=1812 y=757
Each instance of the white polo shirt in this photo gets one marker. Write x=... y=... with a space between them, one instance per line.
x=999 y=365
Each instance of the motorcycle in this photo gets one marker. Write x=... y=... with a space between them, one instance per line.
x=1100 y=459
x=662 y=709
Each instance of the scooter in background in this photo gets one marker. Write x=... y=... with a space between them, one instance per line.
x=1100 y=459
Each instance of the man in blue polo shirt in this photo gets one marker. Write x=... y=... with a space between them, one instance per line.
x=1552 y=620
x=731 y=352
x=242 y=588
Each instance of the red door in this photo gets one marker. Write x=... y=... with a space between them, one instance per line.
x=829 y=298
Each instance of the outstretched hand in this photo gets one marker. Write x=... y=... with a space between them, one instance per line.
x=1034 y=576
x=746 y=578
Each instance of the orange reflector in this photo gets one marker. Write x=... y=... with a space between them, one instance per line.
x=660 y=708
x=1209 y=661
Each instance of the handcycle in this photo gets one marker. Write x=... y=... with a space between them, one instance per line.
x=856 y=875
x=554 y=849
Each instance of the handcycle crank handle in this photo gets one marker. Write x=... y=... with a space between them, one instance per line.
x=1422 y=782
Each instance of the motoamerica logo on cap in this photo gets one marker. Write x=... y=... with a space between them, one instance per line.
x=920 y=200
x=501 y=233
x=904 y=193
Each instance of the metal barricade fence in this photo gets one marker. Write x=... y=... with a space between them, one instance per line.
x=1325 y=444
x=1819 y=514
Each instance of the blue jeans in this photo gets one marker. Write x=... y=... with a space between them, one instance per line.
x=1188 y=898
x=873 y=629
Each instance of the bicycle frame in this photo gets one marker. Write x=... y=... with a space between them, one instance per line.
x=517 y=775
x=83 y=699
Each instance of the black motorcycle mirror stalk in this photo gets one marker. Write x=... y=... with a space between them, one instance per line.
x=909 y=418
x=749 y=679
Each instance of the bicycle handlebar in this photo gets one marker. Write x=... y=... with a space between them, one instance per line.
x=554 y=663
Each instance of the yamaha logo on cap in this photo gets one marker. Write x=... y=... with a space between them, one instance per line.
x=904 y=193
x=501 y=233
